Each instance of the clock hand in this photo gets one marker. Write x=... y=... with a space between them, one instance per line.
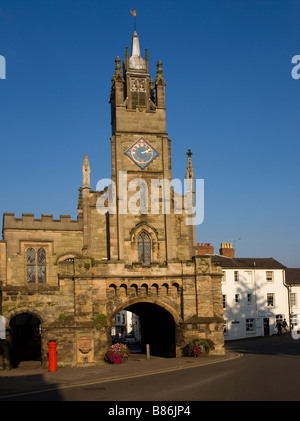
x=146 y=151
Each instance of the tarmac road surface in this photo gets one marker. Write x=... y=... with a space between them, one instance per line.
x=258 y=369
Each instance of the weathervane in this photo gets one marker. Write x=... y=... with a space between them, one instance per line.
x=133 y=12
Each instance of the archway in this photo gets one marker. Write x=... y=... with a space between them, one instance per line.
x=25 y=337
x=157 y=329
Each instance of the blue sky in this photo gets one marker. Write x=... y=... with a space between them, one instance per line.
x=230 y=98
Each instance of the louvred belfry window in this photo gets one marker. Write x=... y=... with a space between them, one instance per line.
x=144 y=249
x=36 y=266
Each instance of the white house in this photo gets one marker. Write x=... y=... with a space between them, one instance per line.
x=254 y=293
x=292 y=280
x=127 y=322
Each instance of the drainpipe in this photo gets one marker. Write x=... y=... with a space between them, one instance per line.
x=255 y=297
x=289 y=289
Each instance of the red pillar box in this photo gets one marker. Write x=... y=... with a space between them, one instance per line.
x=52 y=356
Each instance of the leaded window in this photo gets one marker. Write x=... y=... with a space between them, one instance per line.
x=36 y=265
x=144 y=249
x=31 y=272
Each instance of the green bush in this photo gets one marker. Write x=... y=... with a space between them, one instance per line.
x=101 y=321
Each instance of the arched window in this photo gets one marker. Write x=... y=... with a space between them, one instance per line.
x=31 y=266
x=144 y=249
x=41 y=266
x=36 y=266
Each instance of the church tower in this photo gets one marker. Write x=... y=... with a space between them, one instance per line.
x=136 y=255
x=141 y=167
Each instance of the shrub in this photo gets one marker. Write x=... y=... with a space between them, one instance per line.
x=117 y=354
x=198 y=347
x=101 y=321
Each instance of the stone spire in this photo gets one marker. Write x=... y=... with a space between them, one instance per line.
x=118 y=71
x=86 y=171
x=135 y=46
x=189 y=168
x=160 y=80
x=136 y=62
x=160 y=86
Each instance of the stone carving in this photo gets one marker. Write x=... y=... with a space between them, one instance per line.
x=85 y=345
x=138 y=85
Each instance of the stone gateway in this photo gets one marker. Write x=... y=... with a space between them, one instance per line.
x=65 y=280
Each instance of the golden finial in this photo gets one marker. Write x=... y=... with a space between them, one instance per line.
x=133 y=12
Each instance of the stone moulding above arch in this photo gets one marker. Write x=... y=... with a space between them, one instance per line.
x=16 y=312
x=138 y=229
x=151 y=232
x=176 y=316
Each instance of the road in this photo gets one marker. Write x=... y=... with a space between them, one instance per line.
x=268 y=370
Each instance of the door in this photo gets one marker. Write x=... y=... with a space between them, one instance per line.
x=266 y=326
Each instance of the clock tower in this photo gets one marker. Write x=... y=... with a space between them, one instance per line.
x=131 y=248
x=141 y=156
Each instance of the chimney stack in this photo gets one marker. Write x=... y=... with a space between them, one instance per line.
x=227 y=250
x=204 y=248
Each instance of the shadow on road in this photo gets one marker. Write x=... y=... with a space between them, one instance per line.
x=26 y=384
x=269 y=345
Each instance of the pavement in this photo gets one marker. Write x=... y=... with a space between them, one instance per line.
x=30 y=378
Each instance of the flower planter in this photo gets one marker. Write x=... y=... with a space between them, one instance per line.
x=117 y=354
x=198 y=348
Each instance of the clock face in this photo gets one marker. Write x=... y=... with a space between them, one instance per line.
x=142 y=153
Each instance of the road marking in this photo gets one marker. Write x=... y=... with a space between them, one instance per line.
x=151 y=373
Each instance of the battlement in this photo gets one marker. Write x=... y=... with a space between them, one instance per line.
x=46 y=222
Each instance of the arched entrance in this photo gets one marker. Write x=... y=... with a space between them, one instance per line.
x=157 y=329
x=25 y=338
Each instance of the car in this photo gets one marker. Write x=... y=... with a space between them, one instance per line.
x=118 y=339
x=130 y=340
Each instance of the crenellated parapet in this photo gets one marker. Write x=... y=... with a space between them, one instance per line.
x=46 y=222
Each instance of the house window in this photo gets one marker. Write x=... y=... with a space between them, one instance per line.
x=294 y=320
x=270 y=300
x=293 y=299
x=250 y=325
x=237 y=298
x=144 y=249
x=248 y=276
x=249 y=298
x=36 y=266
x=225 y=326
x=224 y=301
x=269 y=276
x=236 y=276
